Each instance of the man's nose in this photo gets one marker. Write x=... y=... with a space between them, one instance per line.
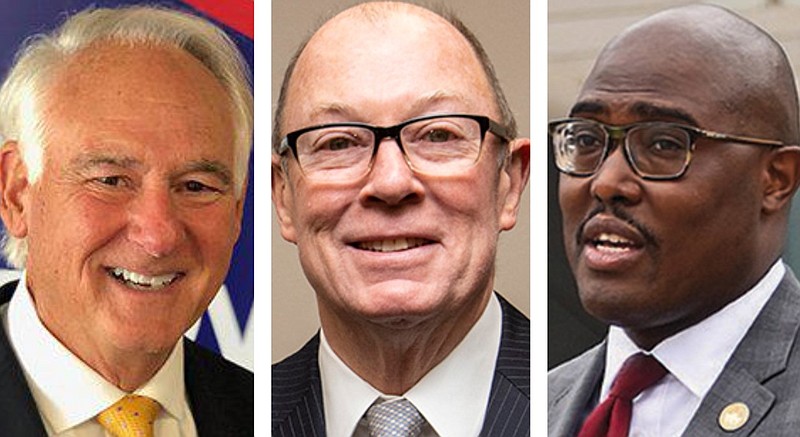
x=615 y=181
x=154 y=223
x=390 y=180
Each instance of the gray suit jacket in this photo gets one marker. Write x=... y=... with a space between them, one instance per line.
x=763 y=373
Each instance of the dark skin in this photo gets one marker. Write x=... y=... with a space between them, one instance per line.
x=699 y=242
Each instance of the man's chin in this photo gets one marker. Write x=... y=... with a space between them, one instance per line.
x=398 y=322
x=399 y=315
x=611 y=307
x=405 y=318
x=158 y=341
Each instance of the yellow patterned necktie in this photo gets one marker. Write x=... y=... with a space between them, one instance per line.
x=131 y=416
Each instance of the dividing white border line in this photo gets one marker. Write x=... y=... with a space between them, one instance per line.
x=262 y=260
x=538 y=232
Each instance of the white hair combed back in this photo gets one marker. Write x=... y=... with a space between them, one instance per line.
x=40 y=56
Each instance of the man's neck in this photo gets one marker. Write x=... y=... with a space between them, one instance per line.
x=128 y=373
x=393 y=358
x=127 y=370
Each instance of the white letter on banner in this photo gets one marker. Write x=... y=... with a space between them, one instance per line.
x=233 y=344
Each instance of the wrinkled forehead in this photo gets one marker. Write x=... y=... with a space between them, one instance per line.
x=397 y=56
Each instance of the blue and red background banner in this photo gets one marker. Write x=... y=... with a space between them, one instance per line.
x=227 y=326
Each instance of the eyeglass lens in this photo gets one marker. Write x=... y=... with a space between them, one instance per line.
x=654 y=149
x=433 y=146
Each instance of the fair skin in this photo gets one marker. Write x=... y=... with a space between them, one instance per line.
x=132 y=223
x=391 y=316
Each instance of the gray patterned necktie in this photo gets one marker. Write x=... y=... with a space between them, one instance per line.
x=397 y=418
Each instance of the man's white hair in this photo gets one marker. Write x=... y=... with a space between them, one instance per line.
x=37 y=61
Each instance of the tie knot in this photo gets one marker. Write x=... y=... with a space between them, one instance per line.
x=639 y=372
x=395 y=418
x=131 y=416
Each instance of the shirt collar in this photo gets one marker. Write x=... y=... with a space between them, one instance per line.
x=76 y=393
x=697 y=355
x=450 y=406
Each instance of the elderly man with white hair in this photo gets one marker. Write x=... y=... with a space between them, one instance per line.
x=126 y=138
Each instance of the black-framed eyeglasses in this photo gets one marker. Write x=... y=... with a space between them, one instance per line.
x=438 y=144
x=654 y=150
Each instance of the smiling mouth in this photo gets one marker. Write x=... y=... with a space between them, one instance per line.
x=392 y=245
x=143 y=282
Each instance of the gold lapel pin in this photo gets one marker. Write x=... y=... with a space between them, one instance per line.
x=734 y=416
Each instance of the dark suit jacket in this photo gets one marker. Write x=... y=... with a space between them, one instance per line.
x=297 y=408
x=763 y=373
x=220 y=392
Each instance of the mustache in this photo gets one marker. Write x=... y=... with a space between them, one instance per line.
x=621 y=214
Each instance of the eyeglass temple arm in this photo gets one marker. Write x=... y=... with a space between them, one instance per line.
x=501 y=131
x=740 y=139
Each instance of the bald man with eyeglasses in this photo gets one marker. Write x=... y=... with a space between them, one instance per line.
x=394 y=174
x=678 y=164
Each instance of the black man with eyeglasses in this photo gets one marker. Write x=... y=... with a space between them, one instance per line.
x=678 y=163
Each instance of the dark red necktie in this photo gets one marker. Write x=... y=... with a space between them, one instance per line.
x=612 y=417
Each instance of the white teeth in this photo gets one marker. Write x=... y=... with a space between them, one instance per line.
x=612 y=243
x=393 y=245
x=138 y=280
x=612 y=239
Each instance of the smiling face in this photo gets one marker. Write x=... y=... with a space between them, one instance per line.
x=658 y=256
x=131 y=225
x=393 y=247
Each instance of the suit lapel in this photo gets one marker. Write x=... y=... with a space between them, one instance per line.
x=297 y=391
x=297 y=395
x=17 y=407
x=763 y=353
x=221 y=401
x=508 y=412
x=567 y=408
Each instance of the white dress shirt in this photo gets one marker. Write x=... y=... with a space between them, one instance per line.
x=452 y=397
x=694 y=357
x=69 y=394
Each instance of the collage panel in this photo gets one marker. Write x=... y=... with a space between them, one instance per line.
x=673 y=132
x=127 y=269
x=396 y=246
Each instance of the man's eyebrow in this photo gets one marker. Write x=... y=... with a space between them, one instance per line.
x=588 y=107
x=418 y=107
x=331 y=109
x=88 y=160
x=650 y=111
x=644 y=110
x=423 y=103
x=216 y=168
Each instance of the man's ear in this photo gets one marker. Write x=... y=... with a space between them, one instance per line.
x=782 y=177
x=13 y=190
x=282 y=199
x=517 y=170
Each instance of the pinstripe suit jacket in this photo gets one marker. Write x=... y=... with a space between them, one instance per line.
x=220 y=393
x=297 y=408
x=763 y=373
